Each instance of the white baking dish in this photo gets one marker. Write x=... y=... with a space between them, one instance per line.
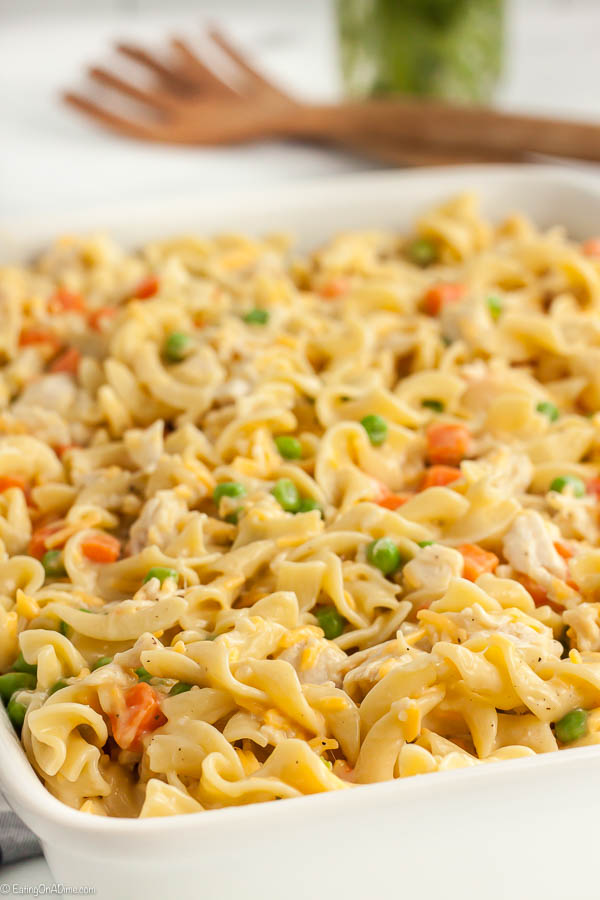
x=524 y=829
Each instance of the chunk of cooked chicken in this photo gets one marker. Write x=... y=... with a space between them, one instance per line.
x=145 y=445
x=505 y=469
x=158 y=521
x=432 y=568
x=528 y=547
x=575 y=516
x=585 y=622
x=315 y=660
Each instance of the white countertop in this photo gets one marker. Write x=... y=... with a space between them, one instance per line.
x=50 y=159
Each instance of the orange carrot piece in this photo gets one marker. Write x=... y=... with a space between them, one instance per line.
x=439 y=295
x=37 y=544
x=591 y=247
x=447 y=444
x=593 y=486
x=32 y=336
x=440 y=476
x=391 y=501
x=12 y=481
x=563 y=550
x=140 y=715
x=147 y=287
x=334 y=288
x=102 y=548
x=66 y=301
x=98 y=317
x=477 y=561
x=61 y=449
x=68 y=361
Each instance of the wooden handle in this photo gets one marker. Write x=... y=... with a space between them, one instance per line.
x=471 y=130
x=404 y=153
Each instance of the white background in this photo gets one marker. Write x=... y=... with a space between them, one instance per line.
x=50 y=159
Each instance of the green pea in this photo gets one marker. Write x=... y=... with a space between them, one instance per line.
x=180 y=688
x=425 y=543
x=572 y=726
x=435 y=405
x=52 y=562
x=422 y=252
x=327 y=762
x=162 y=573
x=234 y=517
x=257 y=317
x=288 y=446
x=376 y=428
x=64 y=629
x=287 y=495
x=494 y=305
x=384 y=555
x=330 y=621
x=575 y=484
x=143 y=674
x=57 y=686
x=20 y=665
x=228 y=489
x=16 y=713
x=103 y=661
x=177 y=347
x=15 y=681
x=548 y=409
x=307 y=504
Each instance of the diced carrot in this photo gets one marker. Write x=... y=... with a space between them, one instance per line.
x=12 y=481
x=441 y=294
x=391 y=501
x=66 y=301
x=538 y=594
x=440 y=476
x=102 y=548
x=593 y=487
x=37 y=544
x=68 y=361
x=61 y=449
x=591 y=247
x=334 y=288
x=32 y=336
x=447 y=444
x=477 y=561
x=141 y=714
x=563 y=550
x=147 y=287
x=98 y=317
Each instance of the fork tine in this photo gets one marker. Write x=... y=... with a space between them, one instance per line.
x=153 y=99
x=239 y=59
x=116 y=123
x=199 y=72
x=141 y=56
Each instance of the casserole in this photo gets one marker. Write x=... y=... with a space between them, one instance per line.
x=361 y=826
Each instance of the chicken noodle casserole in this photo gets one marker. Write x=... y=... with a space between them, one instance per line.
x=271 y=526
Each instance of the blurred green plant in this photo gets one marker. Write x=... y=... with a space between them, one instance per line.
x=451 y=49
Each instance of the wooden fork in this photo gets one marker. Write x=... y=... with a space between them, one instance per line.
x=189 y=103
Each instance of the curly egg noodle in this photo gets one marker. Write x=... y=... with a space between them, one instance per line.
x=271 y=526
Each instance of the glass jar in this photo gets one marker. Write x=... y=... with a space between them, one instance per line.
x=449 y=49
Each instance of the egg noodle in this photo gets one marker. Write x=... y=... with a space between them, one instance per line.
x=272 y=525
